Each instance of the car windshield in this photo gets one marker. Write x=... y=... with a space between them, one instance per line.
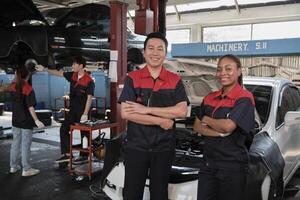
x=262 y=97
x=53 y=14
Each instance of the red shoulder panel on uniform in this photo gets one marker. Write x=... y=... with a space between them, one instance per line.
x=12 y=87
x=171 y=80
x=85 y=80
x=136 y=77
x=142 y=79
x=213 y=98
x=26 y=89
x=248 y=94
x=75 y=76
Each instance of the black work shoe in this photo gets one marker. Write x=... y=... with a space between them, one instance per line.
x=80 y=160
x=63 y=158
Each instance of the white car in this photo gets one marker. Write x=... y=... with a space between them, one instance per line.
x=274 y=151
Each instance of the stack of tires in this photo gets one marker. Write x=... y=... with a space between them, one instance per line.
x=44 y=116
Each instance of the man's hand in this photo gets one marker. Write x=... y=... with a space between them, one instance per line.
x=83 y=118
x=133 y=107
x=166 y=124
x=39 y=124
x=39 y=68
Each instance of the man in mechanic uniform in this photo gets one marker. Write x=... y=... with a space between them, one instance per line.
x=151 y=99
x=81 y=93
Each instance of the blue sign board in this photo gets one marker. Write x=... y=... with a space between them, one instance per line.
x=239 y=48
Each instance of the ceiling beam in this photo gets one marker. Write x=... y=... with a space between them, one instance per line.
x=230 y=17
x=51 y=3
x=178 y=2
x=130 y=17
x=237 y=7
x=177 y=13
x=131 y=3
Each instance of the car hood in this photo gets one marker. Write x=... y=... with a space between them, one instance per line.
x=18 y=11
x=198 y=77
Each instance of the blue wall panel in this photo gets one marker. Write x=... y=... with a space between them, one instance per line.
x=102 y=86
x=40 y=84
x=6 y=78
x=49 y=87
x=59 y=87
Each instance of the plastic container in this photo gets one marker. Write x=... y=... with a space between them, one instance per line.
x=84 y=142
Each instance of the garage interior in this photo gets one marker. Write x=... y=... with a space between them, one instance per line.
x=177 y=19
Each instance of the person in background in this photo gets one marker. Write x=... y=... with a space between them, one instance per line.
x=225 y=119
x=81 y=93
x=24 y=119
x=151 y=99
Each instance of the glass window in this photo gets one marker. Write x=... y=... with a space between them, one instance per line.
x=227 y=33
x=262 y=31
x=209 y=5
x=276 y=30
x=101 y=17
x=178 y=36
x=287 y=104
x=296 y=98
x=262 y=97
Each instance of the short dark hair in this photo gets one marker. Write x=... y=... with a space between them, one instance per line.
x=157 y=35
x=79 y=60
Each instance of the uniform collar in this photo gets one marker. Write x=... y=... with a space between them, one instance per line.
x=234 y=92
x=146 y=73
x=75 y=76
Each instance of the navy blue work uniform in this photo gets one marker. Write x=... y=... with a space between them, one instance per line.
x=79 y=90
x=21 y=117
x=149 y=147
x=223 y=174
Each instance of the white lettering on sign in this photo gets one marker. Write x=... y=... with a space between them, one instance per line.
x=235 y=47
x=261 y=45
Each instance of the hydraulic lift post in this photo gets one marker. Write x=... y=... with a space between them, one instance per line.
x=118 y=42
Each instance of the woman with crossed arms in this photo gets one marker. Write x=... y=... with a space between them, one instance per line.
x=224 y=120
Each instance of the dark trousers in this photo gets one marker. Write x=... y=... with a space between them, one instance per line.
x=220 y=184
x=138 y=166
x=70 y=119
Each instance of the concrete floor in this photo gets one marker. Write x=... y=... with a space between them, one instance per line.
x=53 y=182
